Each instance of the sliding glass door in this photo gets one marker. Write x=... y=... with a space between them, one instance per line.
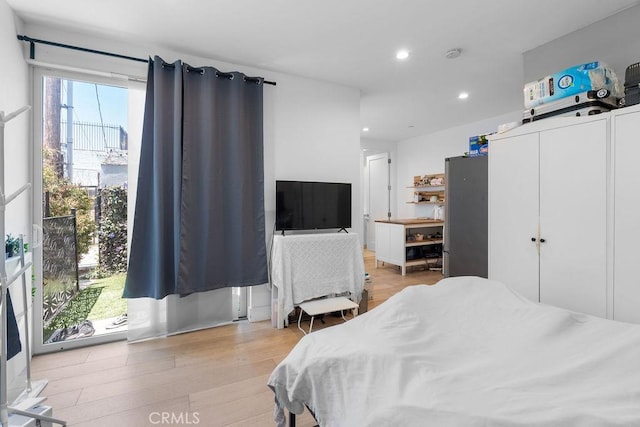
x=87 y=132
x=81 y=183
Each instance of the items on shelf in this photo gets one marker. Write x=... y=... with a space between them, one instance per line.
x=419 y=237
x=479 y=145
x=583 y=90
x=428 y=180
x=592 y=76
x=423 y=191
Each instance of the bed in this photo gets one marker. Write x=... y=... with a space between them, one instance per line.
x=464 y=352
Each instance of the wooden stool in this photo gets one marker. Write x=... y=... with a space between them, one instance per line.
x=324 y=306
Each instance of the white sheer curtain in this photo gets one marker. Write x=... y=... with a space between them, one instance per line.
x=147 y=317
x=150 y=318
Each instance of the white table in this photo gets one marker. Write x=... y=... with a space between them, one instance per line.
x=324 y=306
x=308 y=266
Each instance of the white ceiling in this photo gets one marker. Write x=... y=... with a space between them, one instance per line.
x=353 y=43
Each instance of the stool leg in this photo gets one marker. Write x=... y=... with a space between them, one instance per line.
x=299 y=319
x=342 y=314
x=311 y=324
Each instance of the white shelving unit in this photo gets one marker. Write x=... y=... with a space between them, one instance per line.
x=393 y=237
x=27 y=399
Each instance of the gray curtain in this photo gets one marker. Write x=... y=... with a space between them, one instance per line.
x=199 y=218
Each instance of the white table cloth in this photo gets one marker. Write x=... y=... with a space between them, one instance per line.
x=306 y=266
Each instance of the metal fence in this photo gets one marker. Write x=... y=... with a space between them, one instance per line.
x=95 y=136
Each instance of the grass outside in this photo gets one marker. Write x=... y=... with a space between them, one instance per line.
x=101 y=300
x=110 y=303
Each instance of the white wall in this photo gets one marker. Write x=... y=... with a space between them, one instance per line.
x=14 y=94
x=312 y=133
x=425 y=154
x=311 y=128
x=316 y=136
x=614 y=40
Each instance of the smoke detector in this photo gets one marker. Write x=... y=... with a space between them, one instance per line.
x=453 y=53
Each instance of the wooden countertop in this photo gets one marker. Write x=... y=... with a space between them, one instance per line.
x=411 y=221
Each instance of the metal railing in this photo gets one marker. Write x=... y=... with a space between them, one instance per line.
x=95 y=136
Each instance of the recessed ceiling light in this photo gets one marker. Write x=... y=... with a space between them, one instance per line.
x=463 y=95
x=402 y=54
x=365 y=129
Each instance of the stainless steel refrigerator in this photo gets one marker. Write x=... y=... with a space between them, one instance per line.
x=465 y=217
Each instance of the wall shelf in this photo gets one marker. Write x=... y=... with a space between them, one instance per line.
x=424 y=191
x=425 y=242
x=440 y=187
x=439 y=202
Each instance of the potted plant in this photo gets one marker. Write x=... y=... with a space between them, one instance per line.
x=11 y=246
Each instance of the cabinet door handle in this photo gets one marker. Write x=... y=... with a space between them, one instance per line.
x=542 y=240
x=533 y=239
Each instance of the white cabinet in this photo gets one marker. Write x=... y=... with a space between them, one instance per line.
x=548 y=212
x=626 y=155
x=395 y=239
x=513 y=213
x=390 y=243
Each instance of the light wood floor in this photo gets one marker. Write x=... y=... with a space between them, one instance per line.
x=214 y=377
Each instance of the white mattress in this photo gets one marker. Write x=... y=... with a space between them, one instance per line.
x=465 y=352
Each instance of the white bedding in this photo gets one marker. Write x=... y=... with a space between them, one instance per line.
x=465 y=352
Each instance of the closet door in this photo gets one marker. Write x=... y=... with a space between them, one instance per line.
x=626 y=299
x=573 y=220
x=513 y=213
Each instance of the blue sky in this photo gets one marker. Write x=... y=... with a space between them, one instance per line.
x=113 y=103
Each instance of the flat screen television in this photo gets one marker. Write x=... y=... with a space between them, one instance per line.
x=304 y=205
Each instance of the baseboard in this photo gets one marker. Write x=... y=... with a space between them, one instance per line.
x=258 y=314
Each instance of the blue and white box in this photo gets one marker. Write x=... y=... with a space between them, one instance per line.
x=479 y=145
x=572 y=81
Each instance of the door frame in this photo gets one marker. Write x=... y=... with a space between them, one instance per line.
x=370 y=222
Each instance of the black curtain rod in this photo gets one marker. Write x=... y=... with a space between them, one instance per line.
x=32 y=51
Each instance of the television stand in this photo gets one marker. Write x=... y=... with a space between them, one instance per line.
x=309 y=266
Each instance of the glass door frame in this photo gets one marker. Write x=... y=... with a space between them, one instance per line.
x=39 y=347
